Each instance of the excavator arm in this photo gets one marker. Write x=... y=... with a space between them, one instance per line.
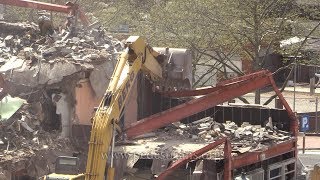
x=137 y=56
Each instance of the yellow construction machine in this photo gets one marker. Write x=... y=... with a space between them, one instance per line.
x=138 y=56
x=162 y=69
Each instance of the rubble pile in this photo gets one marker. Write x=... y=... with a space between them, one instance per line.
x=33 y=60
x=16 y=28
x=178 y=140
x=18 y=144
x=86 y=46
x=245 y=138
x=25 y=146
x=41 y=70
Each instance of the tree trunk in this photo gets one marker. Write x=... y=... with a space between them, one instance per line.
x=257 y=44
x=257 y=94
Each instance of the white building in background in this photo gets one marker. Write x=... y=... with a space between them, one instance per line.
x=212 y=78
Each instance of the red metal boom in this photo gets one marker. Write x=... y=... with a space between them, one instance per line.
x=207 y=90
x=215 y=97
x=37 y=5
x=49 y=7
x=190 y=157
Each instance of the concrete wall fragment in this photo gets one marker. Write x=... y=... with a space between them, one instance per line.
x=100 y=77
x=131 y=108
x=46 y=74
x=86 y=101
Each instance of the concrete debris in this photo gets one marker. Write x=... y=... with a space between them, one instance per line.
x=178 y=140
x=25 y=140
x=23 y=123
x=17 y=28
x=38 y=60
x=43 y=73
x=245 y=138
x=9 y=41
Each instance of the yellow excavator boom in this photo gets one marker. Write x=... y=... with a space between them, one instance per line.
x=139 y=56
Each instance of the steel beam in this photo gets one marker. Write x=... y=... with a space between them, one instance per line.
x=192 y=156
x=187 y=93
x=294 y=121
x=243 y=78
x=207 y=90
x=37 y=5
x=230 y=162
x=227 y=174
x=197 y=105
x=258 y=156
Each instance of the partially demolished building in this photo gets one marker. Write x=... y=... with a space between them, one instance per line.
x=54 y=84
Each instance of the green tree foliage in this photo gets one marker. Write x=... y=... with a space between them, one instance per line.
x=216 y=31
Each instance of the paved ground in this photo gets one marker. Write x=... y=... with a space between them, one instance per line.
x=309 y=158
x=312 y=142
x=312 y=152
x=304 y=102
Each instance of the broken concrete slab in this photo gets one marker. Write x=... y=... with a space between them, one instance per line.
x=9 y=41
x=13 y=63
x=243 y=150
x=16 y=28
x=49 y=52
x=45 y=74
x=100 y=77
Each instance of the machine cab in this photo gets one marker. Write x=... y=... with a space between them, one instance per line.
x=67 y=165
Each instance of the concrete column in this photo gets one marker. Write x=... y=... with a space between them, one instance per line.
x=1 y=12
x=64 y=109
x=312 y=85
x=278 y=103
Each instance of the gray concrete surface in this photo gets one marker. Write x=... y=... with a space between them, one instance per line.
x=310 y=158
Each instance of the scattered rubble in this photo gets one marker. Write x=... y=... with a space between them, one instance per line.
x=179 y=140
x=25 y=146
x=45 y=70
x=32 y=60
x=245 y=138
